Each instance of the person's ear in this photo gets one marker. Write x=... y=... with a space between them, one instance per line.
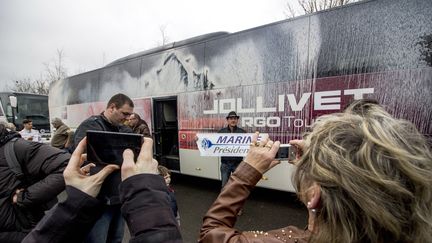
x=313 y=196
x=111 y=107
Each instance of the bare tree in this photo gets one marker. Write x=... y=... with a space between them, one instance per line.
x=54 y=70
x=164 y=36
x=31 y=86
x=40 y=87
x=22 y=85
x=311 y=6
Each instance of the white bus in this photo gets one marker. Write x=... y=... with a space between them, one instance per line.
x=278 y=77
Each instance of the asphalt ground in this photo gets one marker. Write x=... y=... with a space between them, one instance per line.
x=265 y=209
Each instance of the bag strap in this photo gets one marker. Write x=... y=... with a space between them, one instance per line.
x=12 y=160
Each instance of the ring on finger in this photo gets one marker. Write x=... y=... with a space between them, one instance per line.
x=268 y=146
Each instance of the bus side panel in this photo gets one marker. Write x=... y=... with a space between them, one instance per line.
x=120 y=78
x=79 y=112
x=191 y=163
x=279 y=178
x=287 y=110
x=170 y=72
x=388 y=42
x=274 y=53
x=143 y=107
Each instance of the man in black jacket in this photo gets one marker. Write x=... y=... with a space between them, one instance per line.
x=110 y=226
x=146 y=207
x=118 y=109
x=229 y=164
x=24 y=198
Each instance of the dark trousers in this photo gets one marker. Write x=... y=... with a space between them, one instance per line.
x=108 y=228
x=226 y=169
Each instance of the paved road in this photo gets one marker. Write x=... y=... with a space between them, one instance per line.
x=265 y=209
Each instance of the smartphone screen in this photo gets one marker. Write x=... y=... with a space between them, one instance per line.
x=286 y=152
x=107 y=147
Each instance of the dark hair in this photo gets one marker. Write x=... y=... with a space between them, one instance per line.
x=232 y=114
x=119 y=100
x=136 y=116
x=26 y=121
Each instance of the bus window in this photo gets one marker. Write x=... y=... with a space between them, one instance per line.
x=34 y=108
x=170 y=114
x=9 y=110
x=1 y=109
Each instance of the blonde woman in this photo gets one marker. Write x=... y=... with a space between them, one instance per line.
x=364 y=177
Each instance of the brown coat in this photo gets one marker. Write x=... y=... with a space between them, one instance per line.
x=142 y=128
x=60 y=136
x=220 y=219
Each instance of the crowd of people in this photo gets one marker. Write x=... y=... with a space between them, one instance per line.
x=363 y=176
x=31 y=178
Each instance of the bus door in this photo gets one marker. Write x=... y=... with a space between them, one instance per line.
x=166 y=132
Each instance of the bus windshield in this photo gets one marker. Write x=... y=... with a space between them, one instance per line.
x=34 y=108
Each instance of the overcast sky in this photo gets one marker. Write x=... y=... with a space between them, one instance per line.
x=92 y=33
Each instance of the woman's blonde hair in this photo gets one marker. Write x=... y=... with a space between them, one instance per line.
x=375 y=175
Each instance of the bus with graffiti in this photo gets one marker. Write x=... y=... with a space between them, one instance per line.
x=278 y=77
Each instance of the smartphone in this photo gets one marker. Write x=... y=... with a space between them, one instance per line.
x=108 y=147
x=286 y=152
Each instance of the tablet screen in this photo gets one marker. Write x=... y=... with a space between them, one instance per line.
x=107 y=147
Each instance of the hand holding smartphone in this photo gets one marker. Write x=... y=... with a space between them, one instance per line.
x=105 y=148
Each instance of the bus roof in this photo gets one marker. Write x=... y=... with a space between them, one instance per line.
x=22 y=93
x=175 y=44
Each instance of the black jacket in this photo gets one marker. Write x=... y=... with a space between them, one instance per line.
x=97 y=123
x=109 y=192
x=225 y=159
x=43 y=166
x=146 y=209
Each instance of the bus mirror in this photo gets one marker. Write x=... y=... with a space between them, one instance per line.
x=13 y=101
